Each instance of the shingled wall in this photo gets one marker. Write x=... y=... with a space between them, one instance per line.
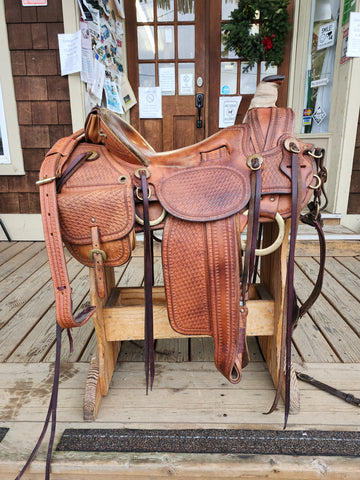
x=42 y=96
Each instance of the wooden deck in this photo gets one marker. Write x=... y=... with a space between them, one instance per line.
x=188 y=391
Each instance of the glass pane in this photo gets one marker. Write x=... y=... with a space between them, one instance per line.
x=230 y=54
x=227 y=6
x=319 y=77
x=166 y=42
x=167 y=78
x=147 y=75
x=228 y=78
x=186 y=41
x=186 y=78
x=146 y=44
x=145 y=10
x=186 y=11
x=166 y=14
x=248 y=80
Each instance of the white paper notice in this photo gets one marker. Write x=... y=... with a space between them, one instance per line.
x=70 y=52
x=353 y=47
x=167 y=80
x=99 y=79
x=186 y=84
x=327 y=35
x=87 y=70
x=150 y=102
x=228 y=108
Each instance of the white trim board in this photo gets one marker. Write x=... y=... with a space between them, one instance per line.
x=22 y=227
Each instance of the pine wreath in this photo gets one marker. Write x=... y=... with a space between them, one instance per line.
x=257 y=31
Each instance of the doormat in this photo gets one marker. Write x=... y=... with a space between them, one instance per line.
x=267 y=442
x=3 y=432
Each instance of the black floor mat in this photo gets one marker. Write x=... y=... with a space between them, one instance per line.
x=268 y=442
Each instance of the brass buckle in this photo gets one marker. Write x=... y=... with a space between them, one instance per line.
x=97 y=250
x=45 y=180
x=140 y=197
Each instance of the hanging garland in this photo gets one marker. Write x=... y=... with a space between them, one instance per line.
x=257 y=31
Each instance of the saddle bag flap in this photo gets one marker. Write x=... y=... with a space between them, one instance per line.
x=204 y=193
x=110 y=209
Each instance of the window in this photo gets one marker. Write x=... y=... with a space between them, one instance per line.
x=11 y=160
x=320 y=69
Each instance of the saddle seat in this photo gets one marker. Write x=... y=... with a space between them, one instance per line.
x=107 y=127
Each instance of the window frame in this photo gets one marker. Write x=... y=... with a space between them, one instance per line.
x=8 y=115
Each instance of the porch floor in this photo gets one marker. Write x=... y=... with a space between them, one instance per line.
x=188 y=391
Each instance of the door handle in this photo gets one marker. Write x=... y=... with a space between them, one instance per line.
x=199 y=103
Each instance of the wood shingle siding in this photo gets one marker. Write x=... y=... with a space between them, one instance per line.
x=42 y=96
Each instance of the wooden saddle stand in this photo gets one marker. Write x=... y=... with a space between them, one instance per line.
x=105 y=183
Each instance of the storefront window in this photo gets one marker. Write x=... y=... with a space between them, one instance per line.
x=320 y=65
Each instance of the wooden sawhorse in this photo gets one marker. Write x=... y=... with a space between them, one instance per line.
x=120 y=316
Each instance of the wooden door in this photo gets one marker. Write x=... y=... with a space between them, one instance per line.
x=166 y=48
x=177 y=44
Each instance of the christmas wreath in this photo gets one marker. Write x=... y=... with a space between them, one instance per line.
x=257 y=31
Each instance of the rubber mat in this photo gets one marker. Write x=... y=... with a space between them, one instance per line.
x=266 y=442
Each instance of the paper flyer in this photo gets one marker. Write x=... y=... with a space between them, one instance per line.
x=127 y=94
x=228 y=108
x=150 y=102
x=87 y=68
x=353 y=46
x=70 y=52
x=112 y=97
x=99 y=79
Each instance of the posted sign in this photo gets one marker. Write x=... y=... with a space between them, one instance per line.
x=34 y=3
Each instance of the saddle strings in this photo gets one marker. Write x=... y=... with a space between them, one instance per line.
x=148 y=282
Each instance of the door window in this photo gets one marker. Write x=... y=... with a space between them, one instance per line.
x=174 y=50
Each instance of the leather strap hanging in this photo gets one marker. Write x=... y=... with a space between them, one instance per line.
x=51 y=414
x=348 y=397
x=148 y=281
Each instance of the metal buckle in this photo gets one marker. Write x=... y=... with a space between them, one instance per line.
x=97 y=250
x=45 y=180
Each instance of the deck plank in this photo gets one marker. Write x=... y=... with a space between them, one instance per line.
x=35 y=323
x=347 y=306
x=12 y=249
x=340 y=336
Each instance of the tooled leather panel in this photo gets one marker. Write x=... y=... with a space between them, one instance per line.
x=266 y=125
x=110 y=209
x=204 y=193
x=185 y=271
x=103 y=171
x=224 y=289
x=117 y=252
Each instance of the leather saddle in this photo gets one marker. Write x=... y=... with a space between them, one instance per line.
x=105 y=183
